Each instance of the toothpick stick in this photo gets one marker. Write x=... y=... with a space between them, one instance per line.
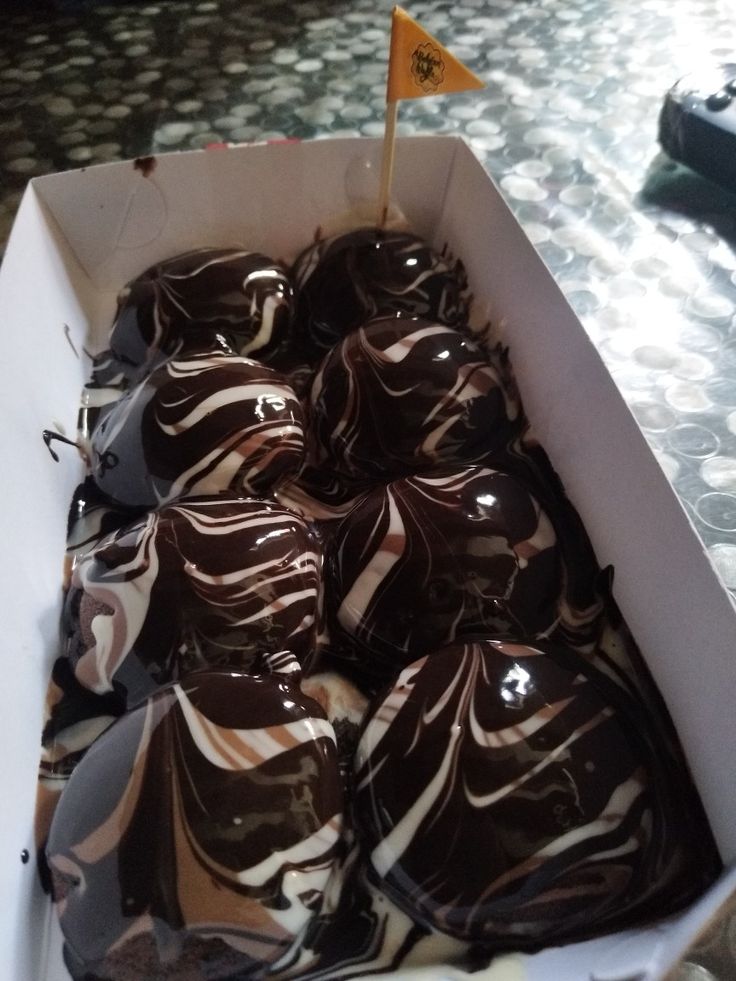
x=387 y=163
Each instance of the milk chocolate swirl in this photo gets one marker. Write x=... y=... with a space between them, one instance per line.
x=243 y=297
x=202 y=582
x=509 y=795
x=206 y=582
x=344 y=281
x=430 y=558
x=199 y=424
x=198 y=835
x=397 y=397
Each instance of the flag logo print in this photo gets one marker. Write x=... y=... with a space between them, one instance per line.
x=418 y=65
x=427 y=67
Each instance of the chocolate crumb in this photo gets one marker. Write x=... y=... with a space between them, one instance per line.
x=146 y=165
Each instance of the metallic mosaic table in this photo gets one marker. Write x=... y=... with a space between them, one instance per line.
x=643 y=248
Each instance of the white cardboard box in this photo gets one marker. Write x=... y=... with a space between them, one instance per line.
x=79 y=236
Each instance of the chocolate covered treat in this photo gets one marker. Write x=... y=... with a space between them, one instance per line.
x=206 y=582
x=342 y=688
x=201 y=582
x=200 y=424
x=510 y=796
x=242 y=297
x=91 y=519
x=197 y=837
x=397 y=397
x=344 y=281
x=430 y=558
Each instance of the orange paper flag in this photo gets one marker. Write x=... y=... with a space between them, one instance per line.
x=418 y=64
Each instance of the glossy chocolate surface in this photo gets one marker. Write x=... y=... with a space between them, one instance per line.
x=242 y=297
x=200 y=582
x=504 y=796
x=430 y=558
x=399 y=396
x=344 y=281
x=198 y=835
x=199 y=424
x=507 y=795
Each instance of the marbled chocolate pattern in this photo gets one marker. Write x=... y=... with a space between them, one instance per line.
x=206 y=582
x=445 y=554
x=508 y=796
x=200 y=832
x=399 y=396
x=243 y=297
x=367 y=934
x=344 y=281
x=429 y=558
x=199 y=424
x=202 y=582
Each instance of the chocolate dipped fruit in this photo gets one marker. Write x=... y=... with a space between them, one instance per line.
x=197 y=837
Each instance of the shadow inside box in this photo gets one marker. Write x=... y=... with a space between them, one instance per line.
x=671 y=186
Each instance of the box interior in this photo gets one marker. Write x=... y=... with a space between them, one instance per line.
x=79 y=236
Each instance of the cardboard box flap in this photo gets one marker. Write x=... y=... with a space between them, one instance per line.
x=120 y=218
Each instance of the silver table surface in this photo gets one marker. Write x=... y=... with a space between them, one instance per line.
x=643 y=248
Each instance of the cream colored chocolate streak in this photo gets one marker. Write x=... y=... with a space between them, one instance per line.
x=517 y=782
x=203 y=423
x=244 y=297
x=173 y=831
x=510 y=795
x=204 y=582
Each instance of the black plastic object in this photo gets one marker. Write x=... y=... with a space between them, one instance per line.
x=697 y=123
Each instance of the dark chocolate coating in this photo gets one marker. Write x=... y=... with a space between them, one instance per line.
x=201 y=582
x=199 y=424
x=344 y=281
x=506 y=796
x=91 y=518
x=397 y=397
x=243 y=297
x=199 y=832
x=430 y=558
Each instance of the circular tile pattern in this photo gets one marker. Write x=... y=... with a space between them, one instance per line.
x=723 y=558
x=692 y=440
x=687 y=397
x=717 y=511
x=719 y=472
x=653 y=417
